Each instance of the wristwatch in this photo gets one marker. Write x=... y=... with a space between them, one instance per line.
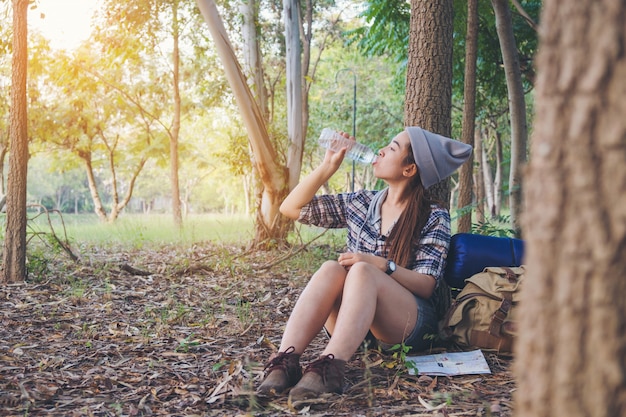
x=391 y=267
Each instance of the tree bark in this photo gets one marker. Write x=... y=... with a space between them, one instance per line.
x=270 y=224
x=488 y=181
x=497 y=181
x=428 y=101
x=175 y=131
x=252 y=59
x=572 y=343
x=469 y=115
x=4 y=149
x=479 y=184
x=291 y=12
x=517 y=106
x=14 y=247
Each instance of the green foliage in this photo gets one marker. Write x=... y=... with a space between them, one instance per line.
x=37 y=264
x=184 y=345
x=398 y=360
x=497 y=226
x=386 y=31
x=379 y=108
x=386 y=34
x=492 y=98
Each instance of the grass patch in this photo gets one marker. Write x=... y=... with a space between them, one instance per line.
x=137 y=229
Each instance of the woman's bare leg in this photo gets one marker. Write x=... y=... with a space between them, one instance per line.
x=371 y=299
x=313 y=306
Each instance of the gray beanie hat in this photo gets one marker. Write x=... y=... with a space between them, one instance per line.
x=436 y=156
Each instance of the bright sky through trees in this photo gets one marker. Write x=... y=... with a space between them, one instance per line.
x=64 y=22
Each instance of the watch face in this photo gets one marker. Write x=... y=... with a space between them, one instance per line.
x=391 y=267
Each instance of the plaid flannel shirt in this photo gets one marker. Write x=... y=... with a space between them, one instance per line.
x=350 y=210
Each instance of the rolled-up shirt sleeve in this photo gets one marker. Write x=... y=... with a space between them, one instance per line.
x=430 y=257
x=328 y=210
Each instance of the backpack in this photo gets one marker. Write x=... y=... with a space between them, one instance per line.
x=482 y=315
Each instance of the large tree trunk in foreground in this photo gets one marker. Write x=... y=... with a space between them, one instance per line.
x=572 y=338
x=14 y=248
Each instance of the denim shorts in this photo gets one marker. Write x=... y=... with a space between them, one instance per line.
x=427 y=324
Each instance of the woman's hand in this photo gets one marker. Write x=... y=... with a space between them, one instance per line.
x=333 y=158
x=347 y=259
x=306 y=189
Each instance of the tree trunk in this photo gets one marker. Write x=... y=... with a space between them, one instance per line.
x=497 y=182
x=570 y=352
x=14 y=248
x=252 y=60
x=306 y=38
x=479 y=183
x=175 y=132
x=517 y=106
x=270 y=224
x=294 y=90
x=487 y=176
x=469 y=115
x=93 y=187
x=4 y=148
x=428 y=102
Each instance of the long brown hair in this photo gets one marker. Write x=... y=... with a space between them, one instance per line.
x=406 y=233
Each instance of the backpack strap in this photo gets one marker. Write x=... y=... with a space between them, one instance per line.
x=500 y=314
x=486 y=341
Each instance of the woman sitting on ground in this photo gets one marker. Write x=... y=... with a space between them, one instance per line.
x=397 y=244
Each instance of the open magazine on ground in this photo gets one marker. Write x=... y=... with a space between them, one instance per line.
x=449 y=364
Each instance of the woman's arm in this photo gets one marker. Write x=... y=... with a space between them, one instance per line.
x=419 y=284
x=306 y=189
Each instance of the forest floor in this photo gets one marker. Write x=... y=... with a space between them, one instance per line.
x=185 y=332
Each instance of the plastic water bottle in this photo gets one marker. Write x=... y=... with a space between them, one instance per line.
x=332 y=140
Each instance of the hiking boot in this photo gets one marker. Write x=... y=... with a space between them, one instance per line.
x=321 y=376
x=281 y=372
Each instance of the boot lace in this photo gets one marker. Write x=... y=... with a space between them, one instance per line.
x=280 y=361
x=321 y=366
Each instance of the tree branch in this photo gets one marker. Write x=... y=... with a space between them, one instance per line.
x=525 y=15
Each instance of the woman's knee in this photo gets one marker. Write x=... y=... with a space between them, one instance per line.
x=362 y=272
x=330 y=273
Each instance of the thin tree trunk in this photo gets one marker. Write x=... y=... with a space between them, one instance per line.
x=469 y=115
x=93 y=188
x=291 y=12
x=14 y=248
x=306 y=37
x=517 y=105
x=497 y=181
x=175 y=132
x=3 y=153
x=487 y=177
x=572 y=343
x=479 y=183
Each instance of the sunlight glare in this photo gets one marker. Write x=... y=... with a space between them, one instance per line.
x=66 y=22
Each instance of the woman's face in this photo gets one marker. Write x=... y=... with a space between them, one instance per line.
x=390 y=164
